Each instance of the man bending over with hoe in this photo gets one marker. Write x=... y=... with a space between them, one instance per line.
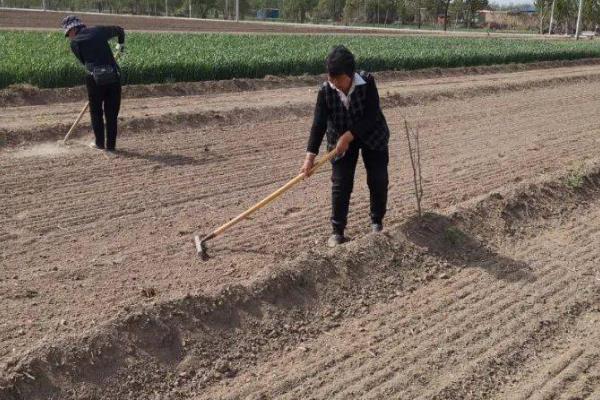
x=103 y=79
x=348 y=112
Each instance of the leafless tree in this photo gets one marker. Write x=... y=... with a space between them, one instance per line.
x=414 y=150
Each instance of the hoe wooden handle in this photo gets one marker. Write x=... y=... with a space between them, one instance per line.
x=76 y=122
x=272 y=196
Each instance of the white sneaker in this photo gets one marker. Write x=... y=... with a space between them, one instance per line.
x=335 y=240
x=111 y=153
x=94 y=146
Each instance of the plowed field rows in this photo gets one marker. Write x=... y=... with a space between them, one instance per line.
x=83 y=234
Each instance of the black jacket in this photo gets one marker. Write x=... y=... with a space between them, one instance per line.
x=364 y=117
x=91 y=47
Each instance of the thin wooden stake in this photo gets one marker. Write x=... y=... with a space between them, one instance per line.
x=415 y=161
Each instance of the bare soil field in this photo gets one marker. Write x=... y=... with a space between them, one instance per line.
x=44 y=20
x=495 y=294
x=518 y=322
x=22 y=19
x=249 y=101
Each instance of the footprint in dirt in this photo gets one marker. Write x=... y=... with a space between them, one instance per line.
x=292 y=211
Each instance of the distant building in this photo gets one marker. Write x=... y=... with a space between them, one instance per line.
x=441 y=19
x=267 y=13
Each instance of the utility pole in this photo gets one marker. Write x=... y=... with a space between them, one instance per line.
x=578 y=20
x=333 y=13
x=166 y=8
x=43 y=4
x=237 y=10
x=551 y=17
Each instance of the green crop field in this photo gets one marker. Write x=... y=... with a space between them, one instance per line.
x=44 y=59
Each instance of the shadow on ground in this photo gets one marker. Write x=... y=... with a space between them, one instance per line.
x=446 y=240
x=171 y=160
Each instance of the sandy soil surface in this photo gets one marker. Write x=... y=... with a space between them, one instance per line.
x=51 y=121
x=86 y=237
x=35 y=19
x=472 y=335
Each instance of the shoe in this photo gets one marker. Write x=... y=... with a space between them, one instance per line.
x=112 y=153
x=335 y=240
x=377 y=227
x=94 y=146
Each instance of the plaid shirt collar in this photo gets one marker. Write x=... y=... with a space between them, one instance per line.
x=356 y=81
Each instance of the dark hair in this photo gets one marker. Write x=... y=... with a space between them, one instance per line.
x=340 y=61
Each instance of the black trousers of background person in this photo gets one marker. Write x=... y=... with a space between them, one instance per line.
x=342 y=178
x=105 y=102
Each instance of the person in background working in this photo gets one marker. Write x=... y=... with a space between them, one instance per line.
x=103 y=79
x=348 y=112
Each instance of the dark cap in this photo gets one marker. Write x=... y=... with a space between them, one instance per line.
x=340 y=61
x=70 y=22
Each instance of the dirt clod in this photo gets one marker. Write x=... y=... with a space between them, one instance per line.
x=149 y=292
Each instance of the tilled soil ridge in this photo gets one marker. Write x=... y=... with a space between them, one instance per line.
x=232 y=345
x=150 y=115
x=83 y=235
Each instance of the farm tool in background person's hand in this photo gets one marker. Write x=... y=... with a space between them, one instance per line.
x=120 y=51
x=201 y=243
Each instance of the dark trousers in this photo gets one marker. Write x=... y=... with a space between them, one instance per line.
x=105 y=102
x=342 y=178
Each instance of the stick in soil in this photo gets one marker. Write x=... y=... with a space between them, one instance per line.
x=415 y=161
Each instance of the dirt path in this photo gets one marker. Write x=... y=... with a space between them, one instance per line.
x=82 y=234
x=21 y=123
x=38 y=20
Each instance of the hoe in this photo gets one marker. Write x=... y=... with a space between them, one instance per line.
x=201 y=243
